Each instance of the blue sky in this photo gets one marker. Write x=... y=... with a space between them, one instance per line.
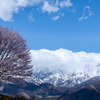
x=55 y=24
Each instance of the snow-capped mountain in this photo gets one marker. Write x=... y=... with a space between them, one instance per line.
x=60 y=79
x=34 y=80
x=76 y=77
x=92 y=81
x=59 y=67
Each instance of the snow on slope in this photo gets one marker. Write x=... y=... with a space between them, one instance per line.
x=76 y=77
x=57 y=66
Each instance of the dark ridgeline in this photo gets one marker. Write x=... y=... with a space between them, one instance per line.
x=86 y=93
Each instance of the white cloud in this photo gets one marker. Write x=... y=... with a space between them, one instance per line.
x=57 y=2
x=86 y=7
x=31 y=16
x=65 y=60
x=73 y=10
x=22 y=3
x=25 y=3
x=81 y=18
x=55 y=18
x=66 y=3
x=86 y=13
x=49 y=8
x=9 y=7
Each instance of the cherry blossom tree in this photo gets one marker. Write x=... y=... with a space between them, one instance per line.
x=15 y=59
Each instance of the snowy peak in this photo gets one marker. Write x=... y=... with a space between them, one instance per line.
x=60 y=79
x=77 y=72
x=63 y=67
x=34 y=80
x=76 y=77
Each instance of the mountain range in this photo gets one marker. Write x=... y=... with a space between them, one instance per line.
x=59 y=79
x=63 y=67
x=60 y=72
x=88 y=90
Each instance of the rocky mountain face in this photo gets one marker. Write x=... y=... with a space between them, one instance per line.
x=93 y=81
x=88 y=90
x=60 y=76
x=61 y=79
x=64 y=78
x=76 y=77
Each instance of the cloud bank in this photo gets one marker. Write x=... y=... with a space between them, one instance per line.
x=65 y=60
